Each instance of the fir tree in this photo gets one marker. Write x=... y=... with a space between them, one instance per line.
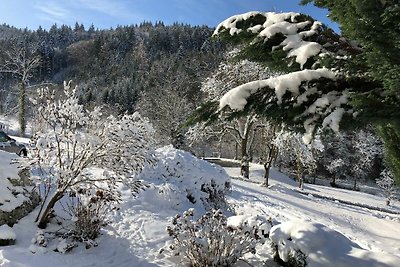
x=331 y=81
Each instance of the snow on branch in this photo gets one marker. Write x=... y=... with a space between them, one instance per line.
x=270 y=24
x=326 y=107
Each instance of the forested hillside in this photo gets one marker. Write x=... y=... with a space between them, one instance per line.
x=112 y=67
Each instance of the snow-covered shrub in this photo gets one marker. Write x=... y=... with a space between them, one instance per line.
x=320 y=246
x=296 y=258
x=89 y=212
x=77 y=140
x=209 y=241
x=186 y=179
x=256 y=225
x=39 y=242
x=7 y=235
x=387 y=184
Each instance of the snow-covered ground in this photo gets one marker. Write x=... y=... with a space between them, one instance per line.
x=372 y=230
x=137 y=234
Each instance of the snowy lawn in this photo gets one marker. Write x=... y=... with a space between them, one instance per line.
x=137 y=234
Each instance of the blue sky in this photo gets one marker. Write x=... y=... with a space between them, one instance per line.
x=110 y=13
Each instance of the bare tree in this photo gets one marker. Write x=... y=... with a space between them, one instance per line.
x=21 y=60
x=77 y=140
x=244 y=129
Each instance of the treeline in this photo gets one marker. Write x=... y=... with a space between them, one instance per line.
x=114 y=66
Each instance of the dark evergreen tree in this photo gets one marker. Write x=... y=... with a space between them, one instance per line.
x=331 y=80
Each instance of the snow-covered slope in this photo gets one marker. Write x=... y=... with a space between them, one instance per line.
x=370 y=229
x=137 y=234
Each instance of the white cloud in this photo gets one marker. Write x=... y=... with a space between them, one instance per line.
x=52 y=9
x=118 y=9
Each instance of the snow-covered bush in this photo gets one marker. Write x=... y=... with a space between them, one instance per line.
x=257 y=225
x=7 y=235
x=89 y=212
x=335 y=167
x=183 y=178
x=298 y=155
x=320 y=246
x=77 y=140
x=387 y=184
x=209 y=240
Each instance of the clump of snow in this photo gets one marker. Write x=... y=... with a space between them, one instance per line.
x=7 y=233
x=327 y=106
x=237 y=98
x=179 y=177
x=324 y=247
x=283 y=23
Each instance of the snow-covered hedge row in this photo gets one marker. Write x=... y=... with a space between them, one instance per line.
x=324 y=247
x=182 y=178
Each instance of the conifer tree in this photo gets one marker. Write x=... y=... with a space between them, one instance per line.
x=332 y=81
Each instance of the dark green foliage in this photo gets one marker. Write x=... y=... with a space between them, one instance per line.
x=369 y=67
x=207 y=112
x=390 y=133
x=375 y=25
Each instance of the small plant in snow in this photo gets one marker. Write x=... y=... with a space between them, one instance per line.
x=209 y=241
x=297 y=259
x=215 y=194
x=89 y=211
x=387 y=184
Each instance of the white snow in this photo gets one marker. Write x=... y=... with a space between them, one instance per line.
x=326 y=106
x=324 y=247
x=7 y=233
x=137 y=234
x=276 y=23
x=10 y=196
x=237 y=97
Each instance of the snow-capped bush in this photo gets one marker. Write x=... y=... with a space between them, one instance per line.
x=182 y=178
x=320 y=246
x=89 y=212
x=7 y=235
x=258 y=226
x=77 y=140
x=209 y=240
x=39 y=242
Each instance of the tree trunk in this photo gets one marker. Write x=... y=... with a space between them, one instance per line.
x=272 y=153
x=300 y=175
x=267 y=167
x=244 y=165
x=44 y=216
x=236 y=151
x=333 y=183
x=22 y=108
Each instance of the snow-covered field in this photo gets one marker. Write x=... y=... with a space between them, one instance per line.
x=137 y=234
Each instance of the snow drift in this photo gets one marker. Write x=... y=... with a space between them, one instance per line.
x=180 y=178
x=324 y=247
